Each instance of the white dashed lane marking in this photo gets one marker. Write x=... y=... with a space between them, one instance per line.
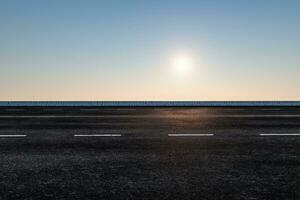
x=97 y=135
x=190 y=135
x=280 y=134
x=13 y=135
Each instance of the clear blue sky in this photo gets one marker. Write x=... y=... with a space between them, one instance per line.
x=125 y=50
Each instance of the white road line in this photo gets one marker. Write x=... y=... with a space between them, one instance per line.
x=190 y=135
x=280 y=134
x=13 y=135
x=97 y=135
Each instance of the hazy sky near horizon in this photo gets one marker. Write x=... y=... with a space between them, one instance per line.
x=130 y=49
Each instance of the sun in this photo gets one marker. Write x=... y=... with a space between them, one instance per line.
x=182 y=63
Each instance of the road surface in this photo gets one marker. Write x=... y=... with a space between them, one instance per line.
x=150 y=153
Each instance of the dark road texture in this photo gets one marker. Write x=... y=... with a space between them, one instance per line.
x=138 y=159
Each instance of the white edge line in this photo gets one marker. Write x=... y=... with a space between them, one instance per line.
x=13 y=135
x=280 y=134
x=97 y=135
x=189 y=135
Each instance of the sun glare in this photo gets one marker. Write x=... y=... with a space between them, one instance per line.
x=182 y=63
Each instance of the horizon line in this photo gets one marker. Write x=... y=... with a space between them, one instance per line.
x=148 y=103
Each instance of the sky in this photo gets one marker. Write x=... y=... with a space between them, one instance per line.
x=149 y=50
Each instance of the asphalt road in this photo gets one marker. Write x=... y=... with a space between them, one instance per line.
x=149 y=153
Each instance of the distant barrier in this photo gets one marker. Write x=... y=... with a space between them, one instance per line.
x=149 y=103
